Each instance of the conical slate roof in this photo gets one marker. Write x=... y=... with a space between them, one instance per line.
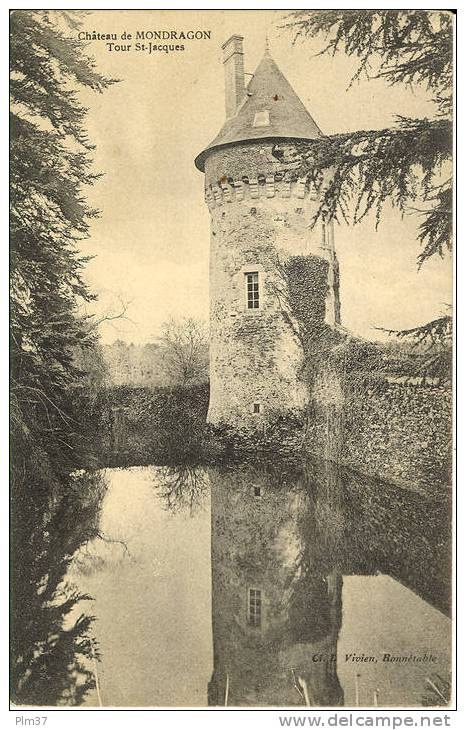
x=269 y=91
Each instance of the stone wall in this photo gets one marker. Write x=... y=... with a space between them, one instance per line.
x=396 y=431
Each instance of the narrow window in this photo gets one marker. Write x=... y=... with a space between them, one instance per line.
x=255 y=607
x=257 y=491
x=256 y=407
x=252 y=285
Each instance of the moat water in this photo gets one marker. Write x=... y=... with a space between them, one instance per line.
x=266 y=585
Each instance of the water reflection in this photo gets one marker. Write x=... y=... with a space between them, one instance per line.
x=52 y=643
x=182 y=488
x=274 y=607
x=307 y=565
x=282 y=539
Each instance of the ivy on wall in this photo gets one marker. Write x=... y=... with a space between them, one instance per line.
x=146 y=425
x=301 y=289
x=307 y=283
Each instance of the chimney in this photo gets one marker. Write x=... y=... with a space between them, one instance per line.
x=234 y=74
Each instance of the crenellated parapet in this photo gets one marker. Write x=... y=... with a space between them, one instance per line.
x=260 y=187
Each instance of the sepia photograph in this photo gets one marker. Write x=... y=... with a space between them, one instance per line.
x=231 y=357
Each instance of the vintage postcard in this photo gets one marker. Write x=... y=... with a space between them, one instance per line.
x=231 y=359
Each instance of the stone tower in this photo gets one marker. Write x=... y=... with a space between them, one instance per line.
x=261 y=211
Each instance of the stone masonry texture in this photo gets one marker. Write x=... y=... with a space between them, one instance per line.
x=258 y=220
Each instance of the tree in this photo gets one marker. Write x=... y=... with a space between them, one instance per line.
x=409 y=163
x=437 y=691
x=403 y=163
x=185 y=350
x=431 y=351
x=182 y=488
x=50 y=166
x=50 y=653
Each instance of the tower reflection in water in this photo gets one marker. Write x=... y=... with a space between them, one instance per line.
x=276 y=596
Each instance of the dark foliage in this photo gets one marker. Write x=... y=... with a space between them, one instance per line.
x=408 y=164
x=51 y=641
x=430 y=353
x=405 y=163
x=402 y=46
x=183 y=488
x=50 y=166
x=154 y=425
x=360 y=525
x=437 y=691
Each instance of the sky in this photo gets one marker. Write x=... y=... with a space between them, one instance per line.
x=151 y=242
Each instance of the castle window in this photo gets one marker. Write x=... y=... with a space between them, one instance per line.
x=261 y=119
x=256 y=407
x=252 y=286
x=255 y=607
x=257 y=491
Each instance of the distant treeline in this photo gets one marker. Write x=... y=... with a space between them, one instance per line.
x=179 y=356
x=137 y=365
